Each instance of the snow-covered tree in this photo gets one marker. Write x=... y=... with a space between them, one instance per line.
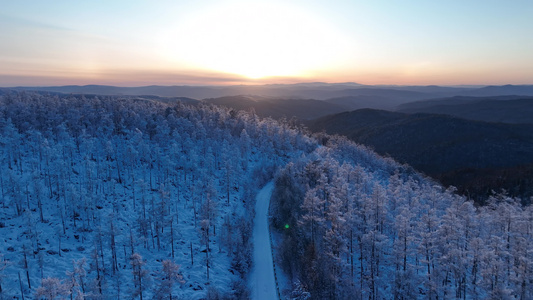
x=167 y=277
x=51 y=288
x=141 y=280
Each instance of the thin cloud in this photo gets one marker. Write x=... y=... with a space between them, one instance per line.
x=139 y=78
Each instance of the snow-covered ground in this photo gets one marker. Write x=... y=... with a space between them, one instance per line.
x=183 y=197
x=262 y=282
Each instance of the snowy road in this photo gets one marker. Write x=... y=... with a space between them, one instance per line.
x=262 y=280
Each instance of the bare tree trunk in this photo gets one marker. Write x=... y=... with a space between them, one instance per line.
x=21 y=288
x=172 y=235
x=192 y=256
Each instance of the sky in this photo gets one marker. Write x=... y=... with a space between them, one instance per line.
x=208 y=42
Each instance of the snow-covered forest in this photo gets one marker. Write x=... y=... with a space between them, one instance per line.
x=121 y=198
x=129 y=198
x=361 y=233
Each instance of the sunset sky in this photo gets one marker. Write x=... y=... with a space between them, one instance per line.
x=141 y=42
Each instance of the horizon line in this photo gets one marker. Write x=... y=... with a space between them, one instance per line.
x=261 y=84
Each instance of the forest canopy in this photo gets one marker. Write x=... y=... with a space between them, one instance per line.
x=129 y=197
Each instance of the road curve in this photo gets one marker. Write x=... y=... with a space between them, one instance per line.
x=263 y=284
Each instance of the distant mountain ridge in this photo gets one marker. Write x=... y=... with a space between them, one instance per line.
x=319 y=91
x=508 y=89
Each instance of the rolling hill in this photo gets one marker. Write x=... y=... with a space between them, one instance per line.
x=276 y=108
x=441 y=146
x=505 y=109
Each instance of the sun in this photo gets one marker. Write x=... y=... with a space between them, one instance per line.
x=255 y=40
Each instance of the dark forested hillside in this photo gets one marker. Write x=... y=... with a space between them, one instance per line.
x=455 y=151
x=303 y=109
x=505 y=109
x=128 y=198
x=362 y=101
